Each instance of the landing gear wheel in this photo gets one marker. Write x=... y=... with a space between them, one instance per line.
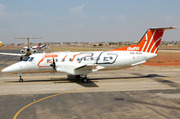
x=20 y=76
x=20 y=80
x=77 y=76
x=85 y=80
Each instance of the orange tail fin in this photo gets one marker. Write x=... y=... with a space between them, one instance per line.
x=150 y=41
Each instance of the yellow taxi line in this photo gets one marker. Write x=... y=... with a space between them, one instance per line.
x=15 y=116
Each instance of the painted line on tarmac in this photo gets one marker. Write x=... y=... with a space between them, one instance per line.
x=15 y=116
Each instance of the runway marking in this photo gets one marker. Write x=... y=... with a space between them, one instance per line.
x=15 y=116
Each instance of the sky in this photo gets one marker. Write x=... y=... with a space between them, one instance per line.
x=86 y=20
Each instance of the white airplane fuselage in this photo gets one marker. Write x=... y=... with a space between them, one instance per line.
x=65 y=61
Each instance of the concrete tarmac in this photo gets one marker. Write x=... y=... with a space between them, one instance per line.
x=138 y=93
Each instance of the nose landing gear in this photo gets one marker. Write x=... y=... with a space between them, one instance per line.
x=20 y=76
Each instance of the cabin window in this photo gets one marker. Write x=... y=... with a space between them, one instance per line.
x=78 y=59
x=63 y=59
x=56 y=60
x=47 y=60
x=111 y=58
x=70 y=59
x=91 y=58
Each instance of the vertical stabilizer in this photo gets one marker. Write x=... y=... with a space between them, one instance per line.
x=150 y=41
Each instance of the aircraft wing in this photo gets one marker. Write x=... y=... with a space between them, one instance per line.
x=74 y=68
x=93 y=67
x=14 y=54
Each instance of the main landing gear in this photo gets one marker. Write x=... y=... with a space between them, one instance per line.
x=20 y=78
x=83 y=77
x=85 y=80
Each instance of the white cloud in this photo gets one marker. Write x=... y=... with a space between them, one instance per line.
x=104 y=18
x=121 y=17
x=60 y=18
x=76 y=10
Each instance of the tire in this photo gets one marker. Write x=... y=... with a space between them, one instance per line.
x=20 y=80
x=85 y=80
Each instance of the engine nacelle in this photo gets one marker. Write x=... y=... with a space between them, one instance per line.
x=22 y=51
x=35 y=51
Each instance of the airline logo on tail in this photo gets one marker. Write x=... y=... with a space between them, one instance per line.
x=133 y=48
x=150 y=42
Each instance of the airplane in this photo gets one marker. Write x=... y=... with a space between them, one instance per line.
x=33 y=47
x=80 y=64
x=42 y=46
x=26 y=51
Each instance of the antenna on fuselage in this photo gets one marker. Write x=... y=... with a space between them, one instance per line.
x=29 y=38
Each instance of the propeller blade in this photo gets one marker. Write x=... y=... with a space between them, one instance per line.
x=53 y=65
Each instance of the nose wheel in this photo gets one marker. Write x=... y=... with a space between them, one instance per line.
x=20 y=77
x=20 y=80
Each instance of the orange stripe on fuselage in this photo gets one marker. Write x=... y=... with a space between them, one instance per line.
x=48 y=55
x=74 y=57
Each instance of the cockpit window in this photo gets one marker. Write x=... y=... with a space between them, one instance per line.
x=26 y=59
x=31 y=59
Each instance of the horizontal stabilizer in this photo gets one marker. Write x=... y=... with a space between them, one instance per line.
x=30 y=38
x=164 y=28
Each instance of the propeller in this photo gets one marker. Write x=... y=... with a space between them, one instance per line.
x=53 y=65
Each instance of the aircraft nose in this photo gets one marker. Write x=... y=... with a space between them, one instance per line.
x=10 y=69
x=4 y=70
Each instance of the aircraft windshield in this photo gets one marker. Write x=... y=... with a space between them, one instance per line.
x=31 y=59
x=26 y=59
